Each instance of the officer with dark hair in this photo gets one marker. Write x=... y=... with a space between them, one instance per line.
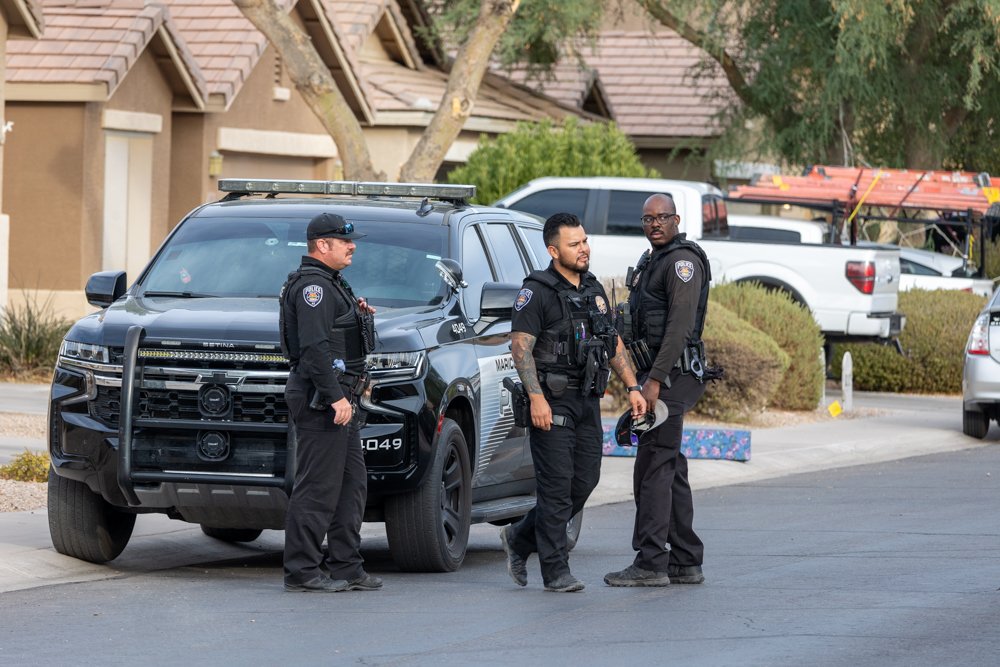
x=665 y=315
x=564 y=346
x=326 y=332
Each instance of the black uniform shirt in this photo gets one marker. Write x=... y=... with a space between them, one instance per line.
x=677 y=278
x=309 y=310
x=537 y=307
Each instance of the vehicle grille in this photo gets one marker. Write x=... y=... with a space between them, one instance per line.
x=169 y=450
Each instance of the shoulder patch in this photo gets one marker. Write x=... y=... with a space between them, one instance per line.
x=523 y=297
x=684 y=269
x=312 y=295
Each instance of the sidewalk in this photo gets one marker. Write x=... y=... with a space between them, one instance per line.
x=905 y=426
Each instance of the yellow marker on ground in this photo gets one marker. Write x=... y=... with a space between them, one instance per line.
x=834 y=409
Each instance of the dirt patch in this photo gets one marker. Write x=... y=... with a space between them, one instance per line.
x=22 y=426
x=21 y=496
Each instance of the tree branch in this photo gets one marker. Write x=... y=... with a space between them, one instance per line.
x=314 y=82
x=702 y=40
x=460 y=95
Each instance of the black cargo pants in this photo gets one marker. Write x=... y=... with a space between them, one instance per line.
x=567 y=461
x=328 y=498
x=664 y=506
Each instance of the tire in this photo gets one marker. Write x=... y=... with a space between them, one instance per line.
x=232 y=534
x=975 y=424
x=573 y=530
x=428 y=529
x=84 y=525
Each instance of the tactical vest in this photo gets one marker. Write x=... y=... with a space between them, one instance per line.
x=650 y=309
x=584 y=339
x=351 y=333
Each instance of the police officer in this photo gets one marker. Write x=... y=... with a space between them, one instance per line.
x=564 y=345
x=325 y=333
x=667 y=303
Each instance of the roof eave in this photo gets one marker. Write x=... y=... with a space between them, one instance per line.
x=24 y=18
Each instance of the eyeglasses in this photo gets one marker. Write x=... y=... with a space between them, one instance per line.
x=662 y=218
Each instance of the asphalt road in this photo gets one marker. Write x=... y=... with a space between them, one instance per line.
x=885 y=564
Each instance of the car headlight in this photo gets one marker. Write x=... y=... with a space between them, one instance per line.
x=395 y=365
x=98 y=354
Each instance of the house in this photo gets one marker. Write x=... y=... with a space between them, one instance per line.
x=18 y=19
x=89 y=164
x=155 y=100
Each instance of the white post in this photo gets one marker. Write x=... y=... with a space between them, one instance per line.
x=847 y=382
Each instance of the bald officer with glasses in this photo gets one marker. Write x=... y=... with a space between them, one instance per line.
x=668 y=296
x=326 y=332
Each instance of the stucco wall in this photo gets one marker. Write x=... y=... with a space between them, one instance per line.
x=54 y=187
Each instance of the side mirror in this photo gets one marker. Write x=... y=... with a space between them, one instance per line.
x=105 y=287
x=498 y=300
x=451 y=273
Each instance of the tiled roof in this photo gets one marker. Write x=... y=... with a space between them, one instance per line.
x=225 y=43
x=649 y=81
x=356 y=19
x=397 y=88
x=228 y=46
x=568 y=82
x=96 y=41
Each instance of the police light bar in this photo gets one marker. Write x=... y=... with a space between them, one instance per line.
x=283 y=186
x=418 y=190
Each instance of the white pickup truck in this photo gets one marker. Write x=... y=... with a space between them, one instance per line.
x=851 y=291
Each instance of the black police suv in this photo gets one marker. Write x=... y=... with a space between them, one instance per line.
x=170 y=398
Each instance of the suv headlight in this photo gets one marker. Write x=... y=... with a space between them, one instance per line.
x=395 y=365
x=98 y=354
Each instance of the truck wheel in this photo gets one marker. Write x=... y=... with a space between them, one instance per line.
x=975 y=424
x=573 y=530
x=84 y=525
x=428 y=529
x=232 y=534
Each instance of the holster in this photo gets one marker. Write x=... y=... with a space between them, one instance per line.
x=519 y=402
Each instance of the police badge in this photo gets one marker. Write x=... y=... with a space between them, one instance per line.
x=523 y=297
x=312 y=295
x=684 y=269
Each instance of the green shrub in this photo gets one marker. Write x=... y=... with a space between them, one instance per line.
x=793 y=328
x=27 y=467
x=532 y=150
x=933 y=341
x=755 y=366
x=992 y=258
x=30 y=335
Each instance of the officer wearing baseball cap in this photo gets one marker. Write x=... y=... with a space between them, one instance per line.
x=326 y=332
x=331 y=226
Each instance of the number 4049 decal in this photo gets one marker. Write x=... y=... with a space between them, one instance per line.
x=375 y=444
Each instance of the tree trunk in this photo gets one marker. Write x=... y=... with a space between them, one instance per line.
x=713 y=47
x=314 y=82
x=463 y=85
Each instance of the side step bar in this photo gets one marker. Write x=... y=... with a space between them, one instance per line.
x=504 y=508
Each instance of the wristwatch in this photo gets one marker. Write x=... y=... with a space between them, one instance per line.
x=634 y=387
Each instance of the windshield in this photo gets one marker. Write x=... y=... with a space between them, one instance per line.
x=392 y=267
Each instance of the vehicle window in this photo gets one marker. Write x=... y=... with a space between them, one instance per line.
x=549 y=202
x=508 y=254
x=475 y=270
x=715 y=220
x=235 y=257
x=536 y=246
x=624 y=211
x=763 y=234
x=909 y=266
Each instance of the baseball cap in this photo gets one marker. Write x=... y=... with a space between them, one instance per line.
x=629 y=430
x=331 y=225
